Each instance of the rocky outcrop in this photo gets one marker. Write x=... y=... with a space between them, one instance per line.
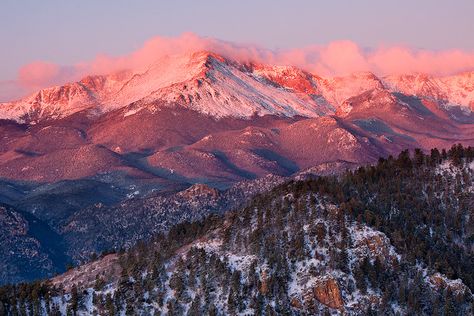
x=441 y=282
x=374 y=244
x=200 y=190
x=264 y=285
x=328 y=293
x=296 y=303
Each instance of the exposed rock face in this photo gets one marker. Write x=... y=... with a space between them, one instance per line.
x=328 y=293
x=264 y=286
x=200 y=190
x=374 y=245
x=295 y=302
x=441 y=282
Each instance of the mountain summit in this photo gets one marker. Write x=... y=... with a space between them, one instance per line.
x=220 y=87
x=202 y=81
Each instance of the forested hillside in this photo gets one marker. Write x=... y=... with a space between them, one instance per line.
x=394 y=238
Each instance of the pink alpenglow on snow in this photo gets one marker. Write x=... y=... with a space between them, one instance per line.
x=333 y=59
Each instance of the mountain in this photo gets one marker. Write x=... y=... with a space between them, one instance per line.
x=202 y=117
x=55 y=225
x=30 y=249
x=221 y=87
x=451 y=90
x=391 y=238
x=218 y=86
x=91 y=159
x=201 y=81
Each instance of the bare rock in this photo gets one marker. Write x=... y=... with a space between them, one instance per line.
x=328 y=293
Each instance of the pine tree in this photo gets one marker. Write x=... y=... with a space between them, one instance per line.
x=99 y=283
x=359 y=277
x=74 y=301
x=212 y=310
x=109 y=305
x=195 y=309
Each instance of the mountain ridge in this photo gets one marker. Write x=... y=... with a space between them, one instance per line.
x=180 y=79
x=391 y=238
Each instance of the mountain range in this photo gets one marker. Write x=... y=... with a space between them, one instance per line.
x=109 y=161
x=204 y=118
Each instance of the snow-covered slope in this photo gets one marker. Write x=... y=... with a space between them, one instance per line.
x=302 y=248
x=92 y=92
x=456 y=90
x=201 y=117
x=220 y=87
x=339 y=89
x=200 y=81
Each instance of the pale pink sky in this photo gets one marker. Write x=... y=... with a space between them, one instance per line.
x=50 y=42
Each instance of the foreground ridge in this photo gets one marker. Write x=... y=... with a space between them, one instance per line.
x=390 y=238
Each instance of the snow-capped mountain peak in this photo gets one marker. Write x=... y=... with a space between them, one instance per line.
x=213 y=85
x=455 y=90
x=201 y=81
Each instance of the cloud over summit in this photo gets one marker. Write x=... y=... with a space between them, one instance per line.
x=332 y=59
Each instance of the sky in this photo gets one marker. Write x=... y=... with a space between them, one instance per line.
x=58 y=32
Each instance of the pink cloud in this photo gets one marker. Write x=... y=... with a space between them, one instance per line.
x=38 y=73
x=341 y=57
x=393 y=60
x=335 y=58
x=41 y=74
